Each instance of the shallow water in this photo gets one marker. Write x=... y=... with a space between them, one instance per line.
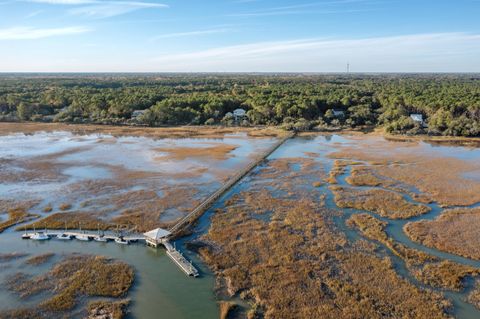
x=59 y=167
x=161 y=289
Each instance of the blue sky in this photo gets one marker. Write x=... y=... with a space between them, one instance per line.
x=239 y=35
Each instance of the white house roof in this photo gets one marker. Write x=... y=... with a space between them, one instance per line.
x=338 y=112
x=157 y=234
x=417 y=117
x=239 y=112
x=138 y=112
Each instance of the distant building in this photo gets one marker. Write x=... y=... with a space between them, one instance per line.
x=156 y=237
x=418 y=118
x=239 y=114
x=137 y=113
x=338 y=113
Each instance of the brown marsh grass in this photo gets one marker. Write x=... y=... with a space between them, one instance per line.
x=16 y=216
x=474 y=295
x=11 y=256
x=426 y=268
x=226 y=309
x=70 y=220
x=39 y=259
x=158 y=132
x=216 y=152
x=455 y=231
x=385 y=203
x=438 y=178
x=108 y=309
x=362 y=176
x=73 y=278
x=296 y=264
x=65 y=206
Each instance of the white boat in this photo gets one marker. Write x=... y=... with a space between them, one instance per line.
x=101 y=239
x=100 y=236
x=64 y=237
x=83 y=237
x=121 y=241
x=40 y=236
x=25 y=235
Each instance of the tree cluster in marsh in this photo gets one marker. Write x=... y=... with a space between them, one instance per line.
x=450 y=104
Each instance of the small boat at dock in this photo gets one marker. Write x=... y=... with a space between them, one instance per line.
x=120 y=240
x=39 y=236
x=64 y=237
x=100 y=236
x=83 y=237
x=26 y=235
x=100 y=239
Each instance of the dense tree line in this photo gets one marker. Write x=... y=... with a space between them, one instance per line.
x=450 y=104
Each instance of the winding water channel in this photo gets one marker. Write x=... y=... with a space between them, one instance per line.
x=161 y=290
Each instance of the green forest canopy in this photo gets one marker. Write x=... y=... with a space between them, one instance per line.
x=449 y=104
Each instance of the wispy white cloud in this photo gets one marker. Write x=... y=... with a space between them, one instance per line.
x=64 y=2
x=294 y=12
x=190 y=33
x=101 y=8
x=417 y=52
x=33 y=14
x=29 y=33
x=108 y=9
x=319 y=7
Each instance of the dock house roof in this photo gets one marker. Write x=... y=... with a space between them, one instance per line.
x=157 y=234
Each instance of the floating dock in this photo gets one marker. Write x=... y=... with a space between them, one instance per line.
x=181 y=261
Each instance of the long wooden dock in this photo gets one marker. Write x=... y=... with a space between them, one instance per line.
x=83 y=234
x=171 y=251
x=207 y=203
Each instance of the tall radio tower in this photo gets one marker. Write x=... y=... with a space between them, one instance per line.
x=348 y=67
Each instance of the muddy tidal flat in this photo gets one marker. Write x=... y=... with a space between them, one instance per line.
x=329 y=226
x=74 y=178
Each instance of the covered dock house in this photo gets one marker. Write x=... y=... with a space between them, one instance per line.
x=156 y=237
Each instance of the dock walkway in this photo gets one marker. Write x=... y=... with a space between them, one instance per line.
x=207 y=203
x=182 y=262
x=91 y=235
x=173 y=253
